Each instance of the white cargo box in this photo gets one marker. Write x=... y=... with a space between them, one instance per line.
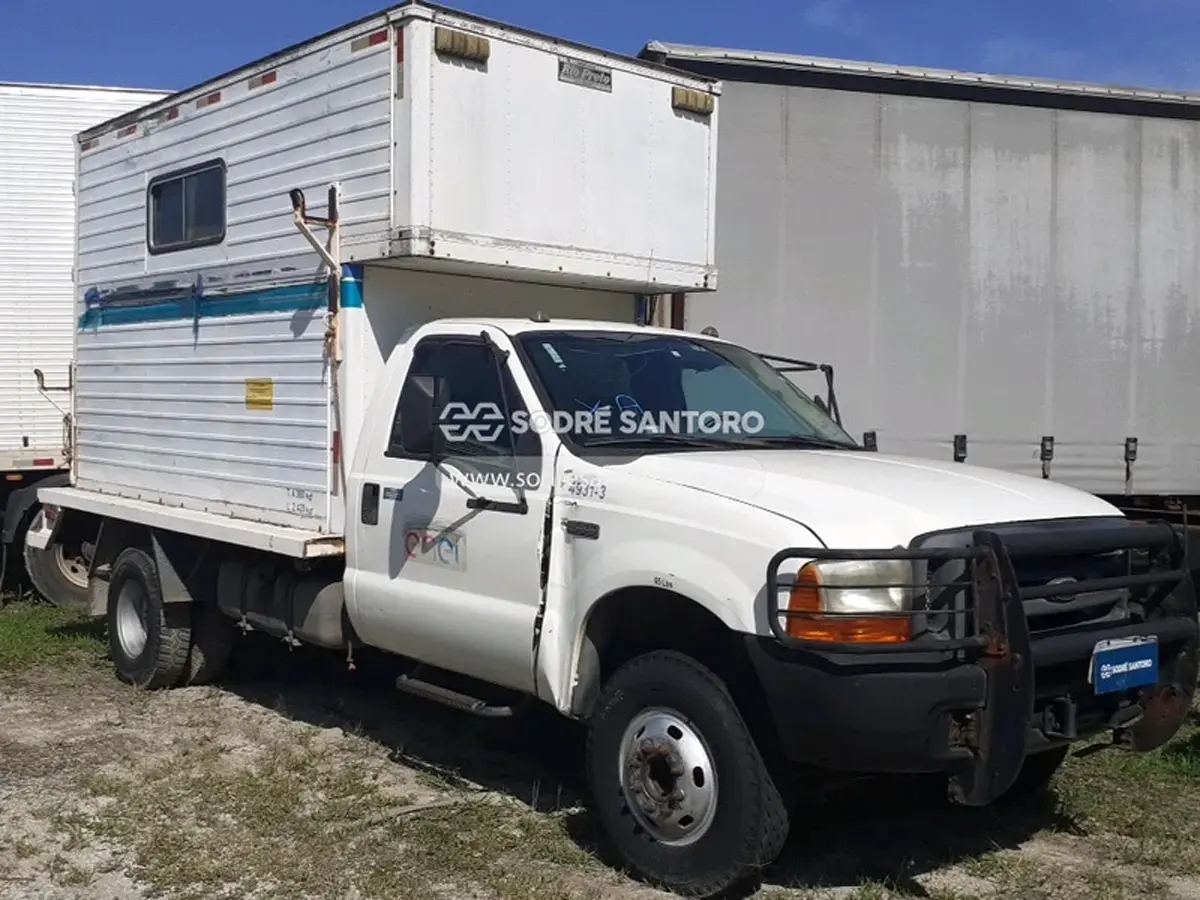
x=457 y=142
x=560 y=179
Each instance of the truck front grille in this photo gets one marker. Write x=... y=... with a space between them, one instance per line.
x=1046 y=557
x=1064 y=611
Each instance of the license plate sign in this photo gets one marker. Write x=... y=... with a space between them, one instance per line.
x=1125 y=663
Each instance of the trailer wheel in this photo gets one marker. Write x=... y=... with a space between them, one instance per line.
x=678 y=781
x=149 y=640
x=60 y=572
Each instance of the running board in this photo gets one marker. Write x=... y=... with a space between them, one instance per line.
x=447 y=697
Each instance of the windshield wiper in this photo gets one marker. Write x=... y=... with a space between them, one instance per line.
x=799 y=440
x=712 y=443
x=678 y=440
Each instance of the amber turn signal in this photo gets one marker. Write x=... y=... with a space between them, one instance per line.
x=808 y=620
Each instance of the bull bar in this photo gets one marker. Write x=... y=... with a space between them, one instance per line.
x=980 y=619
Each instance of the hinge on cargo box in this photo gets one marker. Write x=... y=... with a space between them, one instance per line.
x=1131 y=450
x=1047 y=454
x=870 y=441
x=960 y=448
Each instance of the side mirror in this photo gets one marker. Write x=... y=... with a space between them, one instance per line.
x=422 y=400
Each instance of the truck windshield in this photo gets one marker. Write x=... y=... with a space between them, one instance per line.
x=619 y=388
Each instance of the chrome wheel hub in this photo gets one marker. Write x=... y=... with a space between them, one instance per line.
x=131 y=619
x=73 y=564
x=668 y=777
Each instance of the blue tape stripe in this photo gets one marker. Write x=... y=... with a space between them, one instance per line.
x=352 y=287
x=282 y=299
x=145 y=306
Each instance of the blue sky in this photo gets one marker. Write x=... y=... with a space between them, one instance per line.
x=139 y=43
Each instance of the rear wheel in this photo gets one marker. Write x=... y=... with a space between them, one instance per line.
x=60 y=572
x=678 y=780
x=149 y=640
x=213 y=634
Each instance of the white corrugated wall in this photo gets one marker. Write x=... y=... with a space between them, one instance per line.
x=37 y=246
x=1003 y=272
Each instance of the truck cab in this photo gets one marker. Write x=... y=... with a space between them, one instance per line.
x=659 y=533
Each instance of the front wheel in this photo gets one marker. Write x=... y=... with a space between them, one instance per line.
x=679 y=784
x=1033 y=779
x=1036 y=773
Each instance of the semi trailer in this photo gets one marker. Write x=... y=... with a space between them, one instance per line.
x=38 y=124
x=1001 y=270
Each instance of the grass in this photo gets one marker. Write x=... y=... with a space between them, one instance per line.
x=302 y=822
x=1115 y=825
x=62 y=871
x=195 y=814
x=1139 y=806
x=286 y=815
x=34 y=634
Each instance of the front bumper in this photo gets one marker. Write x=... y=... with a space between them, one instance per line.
x=985 y=687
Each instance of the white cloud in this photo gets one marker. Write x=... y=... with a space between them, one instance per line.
x=1170 y=65
x=838 y=16
x=1014 y=55
x=1034 y=57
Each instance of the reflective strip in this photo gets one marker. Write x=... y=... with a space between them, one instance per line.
x=369 y=40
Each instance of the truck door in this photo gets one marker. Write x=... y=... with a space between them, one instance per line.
x=446 y=562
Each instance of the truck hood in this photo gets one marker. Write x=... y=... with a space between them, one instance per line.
x=870 y=500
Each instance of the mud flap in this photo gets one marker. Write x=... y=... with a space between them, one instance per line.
x=1002 y=725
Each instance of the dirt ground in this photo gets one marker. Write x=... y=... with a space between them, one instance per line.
x=297 y=779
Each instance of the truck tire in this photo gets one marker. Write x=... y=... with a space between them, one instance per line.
x=149 y=640
x=213 y=634
x=710 y=818
x=1036 y=773
x=59 y=573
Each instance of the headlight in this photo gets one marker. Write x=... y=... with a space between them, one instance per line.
x=852 y=601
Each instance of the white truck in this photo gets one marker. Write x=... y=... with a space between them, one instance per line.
x=437 y=420
x=38 y=124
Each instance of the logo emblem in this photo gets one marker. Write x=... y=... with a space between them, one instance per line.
x=1062 y=598
x=482 y=424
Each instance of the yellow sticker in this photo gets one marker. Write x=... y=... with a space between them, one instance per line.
x=260 y=393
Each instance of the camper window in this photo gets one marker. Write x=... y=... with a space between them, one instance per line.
x=186 y=209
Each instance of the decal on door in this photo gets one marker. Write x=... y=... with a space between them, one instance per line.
x=586 y=486
x=444 y=548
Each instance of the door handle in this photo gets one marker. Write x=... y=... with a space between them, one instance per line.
x=370 y=504
x=520 y=508
x=589 y=531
